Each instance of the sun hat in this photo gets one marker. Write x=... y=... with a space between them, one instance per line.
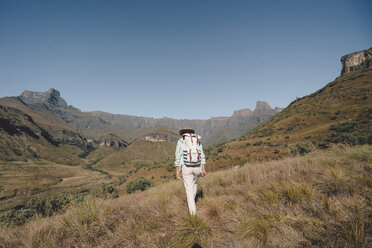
x=186 y=130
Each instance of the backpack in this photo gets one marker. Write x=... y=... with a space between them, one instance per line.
x=191 y=150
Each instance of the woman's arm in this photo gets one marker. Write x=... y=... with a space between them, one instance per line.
x=178 y=157
x=203 y=163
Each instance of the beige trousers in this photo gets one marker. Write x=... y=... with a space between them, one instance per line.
x=190 y=177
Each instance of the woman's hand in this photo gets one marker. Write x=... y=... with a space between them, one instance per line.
x=203 y=173
x=179 y=174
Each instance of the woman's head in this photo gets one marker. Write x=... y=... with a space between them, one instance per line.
x=186 y=130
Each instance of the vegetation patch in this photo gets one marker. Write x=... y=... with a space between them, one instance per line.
x=140 y=183
x=105 y=191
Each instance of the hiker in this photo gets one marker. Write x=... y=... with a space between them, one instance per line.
x=190 y=163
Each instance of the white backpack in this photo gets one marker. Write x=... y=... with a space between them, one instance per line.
x=191 y=150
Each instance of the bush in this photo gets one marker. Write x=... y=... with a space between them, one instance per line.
x=344 y=127
x=257 y=143
x=345 y=138
x=15 y=217
x=303 y=149
x=323 y=145
x=47 y=206
x=138 y=184
x=362 y=139
x=43 y=206
x=105 y=191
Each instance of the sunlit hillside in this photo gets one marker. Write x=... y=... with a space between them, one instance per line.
x=340 y=112
x=318 y=200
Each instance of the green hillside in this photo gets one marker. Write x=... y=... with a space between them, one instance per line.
x=340 y=112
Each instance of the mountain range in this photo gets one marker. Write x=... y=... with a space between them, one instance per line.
x=213 y=130
x=300 y=179
x=40 y=132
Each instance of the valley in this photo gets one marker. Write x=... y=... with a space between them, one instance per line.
x=296 y=169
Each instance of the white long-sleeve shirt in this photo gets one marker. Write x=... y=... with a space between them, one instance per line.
x=179 y=153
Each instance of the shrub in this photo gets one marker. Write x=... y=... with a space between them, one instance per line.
x=47 y=206
x=345 y=138
x=15 y=217
x=105 y=191
x=323 y=145
x=257 y=143
x=303 y=149
x=140 y=183
x=344 y=127
x=362 y=139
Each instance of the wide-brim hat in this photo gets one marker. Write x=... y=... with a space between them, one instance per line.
x=186 y=130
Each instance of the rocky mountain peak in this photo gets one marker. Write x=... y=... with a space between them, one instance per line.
x=52 y=96
x=242 y=112
x=262 y=106
x=357 y=61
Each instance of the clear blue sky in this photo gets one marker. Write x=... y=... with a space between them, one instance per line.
x=180 y=59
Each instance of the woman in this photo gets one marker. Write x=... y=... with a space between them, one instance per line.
x=190 y=163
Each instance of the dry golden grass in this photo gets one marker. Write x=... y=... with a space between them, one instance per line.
x=305 y=121
x=322 y=199
x=21 y=180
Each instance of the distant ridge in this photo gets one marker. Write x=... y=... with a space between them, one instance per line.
x=92 y=123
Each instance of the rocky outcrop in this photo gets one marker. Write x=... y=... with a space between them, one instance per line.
x=51 y=96
x=242 y=112
x=357 y=61
x=160 y=137
x=112 y=140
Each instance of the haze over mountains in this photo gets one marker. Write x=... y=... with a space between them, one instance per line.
x=214 y=130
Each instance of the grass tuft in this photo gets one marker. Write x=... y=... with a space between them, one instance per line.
x=191 y=230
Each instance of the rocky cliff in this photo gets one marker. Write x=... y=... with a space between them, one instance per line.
x=262 y=112
x=51 y=96
x=357 y=61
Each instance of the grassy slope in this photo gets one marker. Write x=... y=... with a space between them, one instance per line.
x=318 y=200
x=19 y=181
x=43 y=118
x=23 y=146
x=305 y=121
